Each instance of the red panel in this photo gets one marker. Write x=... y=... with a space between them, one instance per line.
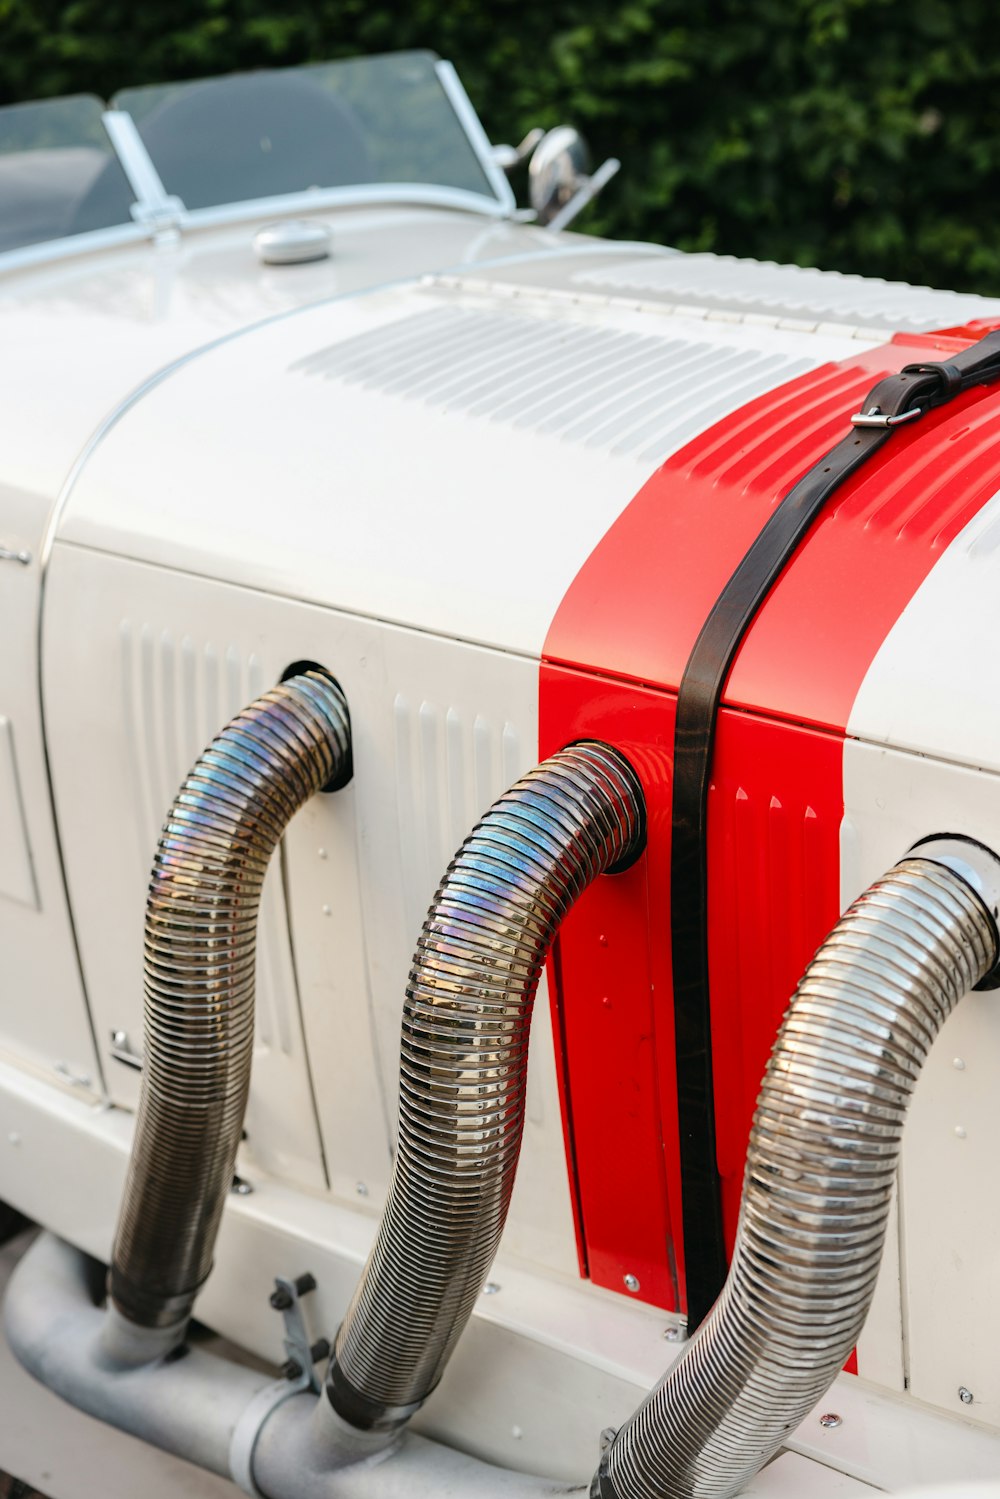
x=774 y=812
x=626 y=628
x=635 y=608
x=638 y=603
x=612 y=1010
x=817 y=634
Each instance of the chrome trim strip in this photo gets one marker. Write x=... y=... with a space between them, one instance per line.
x=380 y=194
x=47 y=250
x=154 y=207
x=478 y=139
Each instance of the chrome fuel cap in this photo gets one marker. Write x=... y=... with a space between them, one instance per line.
x=293 y=242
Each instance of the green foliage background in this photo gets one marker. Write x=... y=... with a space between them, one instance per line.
x=859 y=135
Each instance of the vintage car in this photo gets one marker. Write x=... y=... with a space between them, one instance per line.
x=474 y=616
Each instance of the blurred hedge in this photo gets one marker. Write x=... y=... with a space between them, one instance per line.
x=861 y=135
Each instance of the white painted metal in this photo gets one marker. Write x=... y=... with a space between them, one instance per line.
x=17 y=878
x=43 y=1016
x=144 y=661
x=458 y=524
x=763 y=289
x=949 y=1222
x=931 y=688
x=89 y=332
x=440 y=458
x=552 y=1357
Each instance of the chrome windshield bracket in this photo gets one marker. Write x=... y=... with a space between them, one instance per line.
x=154 y=209
x=588 y=190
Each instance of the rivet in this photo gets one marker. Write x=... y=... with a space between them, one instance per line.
x=14 y=1138
x=606 y=1002
x=631 y=1283
x=327 y=910
x=361 y=1189
x=958 y=1064
x=603 y=940
x=491 y=1288
x=321 y=853
x=964 y=1395
x=960 y=1131
x=671 y=1334
x=240 y=1187
x=516 y=1433
x=831 y=1420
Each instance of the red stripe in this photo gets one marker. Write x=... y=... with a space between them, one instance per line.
x=613 y=660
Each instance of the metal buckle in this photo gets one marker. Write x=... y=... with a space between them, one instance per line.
x=873 y=417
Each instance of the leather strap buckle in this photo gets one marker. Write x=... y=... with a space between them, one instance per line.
x=873 y=417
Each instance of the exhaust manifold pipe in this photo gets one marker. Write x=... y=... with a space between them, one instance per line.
x=818 y=1183
x=819 y=1176
x=464 y=1069
x=200 y=961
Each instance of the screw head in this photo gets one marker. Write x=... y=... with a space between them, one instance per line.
x=280 y=1299
x=361 y=1189
x=965 y=1395
x=671 y=1334
x=240 y=1187
x=831 y=1420
x=607 y=1437
x=291 y=1369
x=491 y=1288
x=631 y=1283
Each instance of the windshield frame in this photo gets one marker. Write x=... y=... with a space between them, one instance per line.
x=156 y=212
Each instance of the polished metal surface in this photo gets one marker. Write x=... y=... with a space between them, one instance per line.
x=558 y=169
x=464 y=1066
x=200 y=951
x=293 y=242
x=817 y=1189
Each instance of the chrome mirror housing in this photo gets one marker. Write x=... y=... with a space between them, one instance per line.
x=559 y=183
x=559 y=166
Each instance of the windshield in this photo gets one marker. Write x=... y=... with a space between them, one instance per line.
x=58 y=173
x=260 y=135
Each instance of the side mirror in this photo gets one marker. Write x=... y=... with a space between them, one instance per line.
x=558 y=182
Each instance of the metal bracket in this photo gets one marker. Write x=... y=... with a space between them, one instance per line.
x=298 y=1376
x=158 y=212
x=159 y=219
x=123 y=1051
x=300 y=1353
x=587 y=190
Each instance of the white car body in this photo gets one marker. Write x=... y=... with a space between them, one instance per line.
x=395 y=462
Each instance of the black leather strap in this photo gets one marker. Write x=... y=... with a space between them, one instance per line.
x=895 y=400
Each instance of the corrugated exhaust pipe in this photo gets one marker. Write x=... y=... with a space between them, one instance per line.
x=200 y=962
x=464 y=1068
x=819 y=1177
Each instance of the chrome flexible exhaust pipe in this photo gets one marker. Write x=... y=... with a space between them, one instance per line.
x=463 y=1073
x=819 y=1177
x=200 y=950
